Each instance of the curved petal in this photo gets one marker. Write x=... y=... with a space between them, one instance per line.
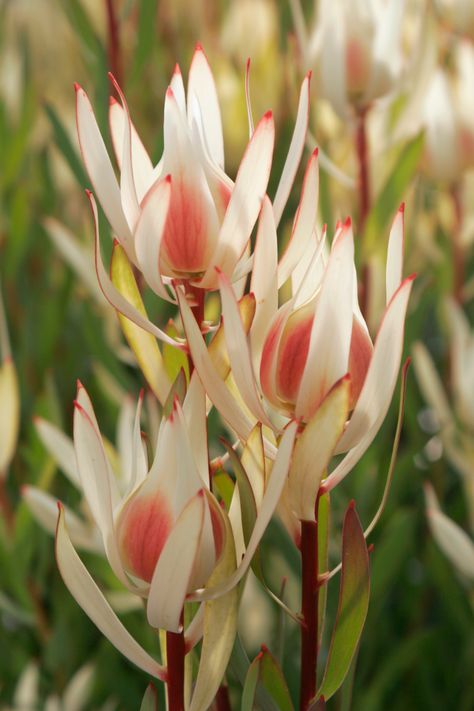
x=270 y=500
x=86 y=593
x=149 y=233
x=395 y=251
x=238 y=350
x=194 y=410
x=201 y=84
x=263 y=281
x=305 y=221
x=175 y=566
x=99 y=168
x=60 y=447
x=128 y=191
x=378 y=388
x=213 y=384
x=295 y=151
x=115 y=298
x=328 y=355
x=44 y=509
x=245 y=201
x=141 y=162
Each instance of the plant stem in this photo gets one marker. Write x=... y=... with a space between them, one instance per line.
x=175 y=652
x=363 y=182
x=222 y=701
x=114 y=53
x=5 y=506
x=309 y=611
x=457 y=247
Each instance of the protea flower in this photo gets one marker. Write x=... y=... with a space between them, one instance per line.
x=313 y=355
x=164 y=535
x=183 y=217
x=355 y=47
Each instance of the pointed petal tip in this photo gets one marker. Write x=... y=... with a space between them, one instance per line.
x=268 y=115
x=402 y=208
x=177 y=70
x=348 y=222
x=247 y=64
x=77 y=87
x=352 y=504
x=198 y=47
x=112 y=101
x=309 y=74
x=315 y=152
x=79 y=385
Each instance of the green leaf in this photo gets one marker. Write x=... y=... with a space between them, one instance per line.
x=145 y=39
x=353 y=604
x=250 y=686
x=178 y=389
x=273 y=681
x=223 y=486
x=150 y=699
x=323 y=551
x=392 y=193
x=220 y=628
x=83 y=27
x=265 y=671
x=173 y=358
x=143 y=344
x=247 y=499
x=65 y=146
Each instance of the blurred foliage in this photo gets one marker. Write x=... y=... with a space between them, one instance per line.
x=417 y=650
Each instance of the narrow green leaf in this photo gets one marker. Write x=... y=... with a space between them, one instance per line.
x=145 y=39
x=83 y=26
x=353 y=604
x=150 y=699
x=273 y=681
x=178 y=389
x=220 y=628
x=323 y=551
x=143 y=344
x=393 y=192
x=247 y=499
x=65 y=146
x=250 y=686
x=173 y=358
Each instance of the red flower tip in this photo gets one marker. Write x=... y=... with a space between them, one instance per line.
x=259 y=655
x=411 y=277
x=141 y=394
x=402 y=208
x=79 y=385
x=77 y=87
x=88 y=193
x=247 y=65
x=177 y=70
x=168 y=178
x=370 y=549
x=198 y=47
x=264 y=648
x=348 y=222
x=309 y=74
x=59 y=505
x=170 y=93
x=268 y=115
x=352 y=505
x=116 y=242
x=316 y=152
x=338 y=224
x=112 y=101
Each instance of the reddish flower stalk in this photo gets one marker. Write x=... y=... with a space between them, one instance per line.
x=363 y=184
x=113 y=50
x=309 y=611
x=5 y=507
x=457 y=247
x=175 y=652
x=363 y=161
x=222 y=699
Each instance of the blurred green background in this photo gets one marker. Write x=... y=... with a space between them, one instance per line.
x=417 y=650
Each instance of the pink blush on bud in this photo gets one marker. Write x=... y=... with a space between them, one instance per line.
x=359 y=359
x=186 y=234
x=292 y=357
x=144 y=527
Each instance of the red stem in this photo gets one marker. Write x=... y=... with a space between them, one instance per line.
x=363 y=161
x=175 y=652
x=115 y=58
x=362 y=149
x=5 y=506
x=457 y=248
x=309 y=611
x=222 y=699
